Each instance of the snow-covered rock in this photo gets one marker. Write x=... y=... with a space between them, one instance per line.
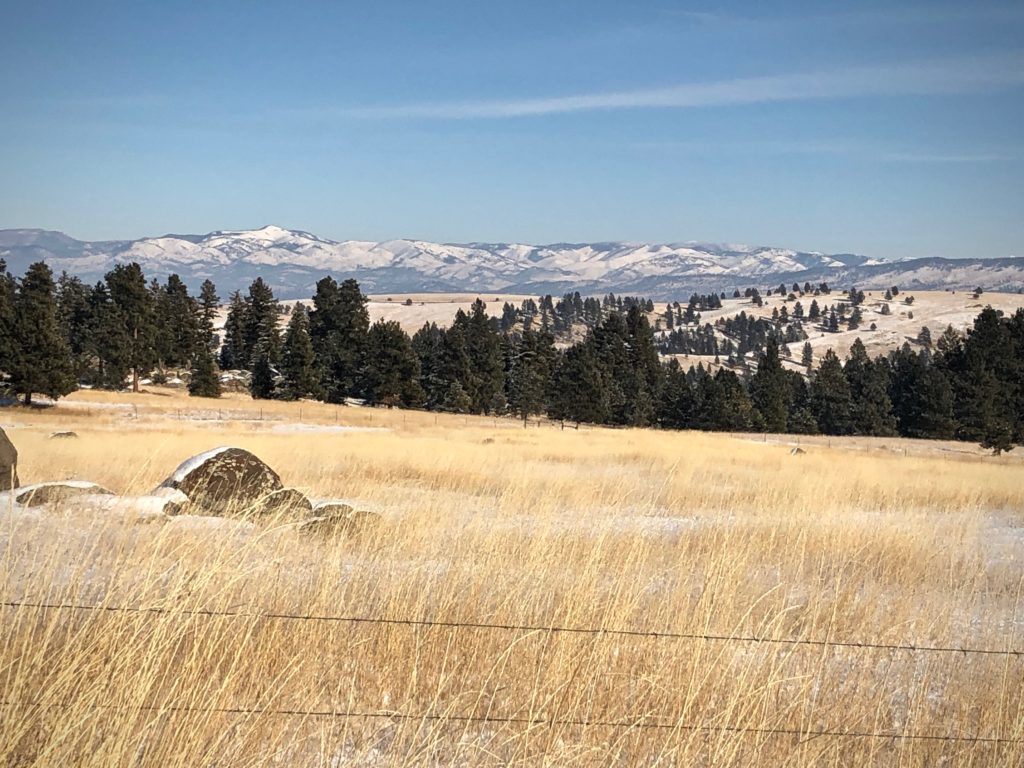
x=57 y=492
x=223 y=478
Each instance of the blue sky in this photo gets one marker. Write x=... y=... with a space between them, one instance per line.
x=878 y=128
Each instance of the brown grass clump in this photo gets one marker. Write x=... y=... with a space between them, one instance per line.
x=484 y=522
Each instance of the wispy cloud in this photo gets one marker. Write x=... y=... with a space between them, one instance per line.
x=915 y=157
x=947 y=76
x=757 y=147
x=835 y=147
x=888 y=16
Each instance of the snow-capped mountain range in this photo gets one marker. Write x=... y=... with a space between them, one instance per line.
x=292 y=261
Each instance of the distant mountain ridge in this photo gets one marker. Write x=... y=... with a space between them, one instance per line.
x=292 y=261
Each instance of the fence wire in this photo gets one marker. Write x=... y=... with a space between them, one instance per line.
x=644 y=722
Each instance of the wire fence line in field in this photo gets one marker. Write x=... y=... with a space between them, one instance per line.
x=534 y=628
x=643 y=722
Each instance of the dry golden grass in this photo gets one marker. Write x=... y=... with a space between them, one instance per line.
x=483 y=521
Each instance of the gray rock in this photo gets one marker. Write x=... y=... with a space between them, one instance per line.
x=56 y=492
x=175 y=501
x=326 y=527
x=63 y=435
x=8 y=463
x=130 y=509
x=284 y=501
x=331 y=509
x=330 y=519
x=224 y=478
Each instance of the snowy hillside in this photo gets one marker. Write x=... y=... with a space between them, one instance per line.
x=293 y=261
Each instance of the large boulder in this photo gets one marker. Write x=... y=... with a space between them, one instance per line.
x=224 y=479
x=8 y=463
x=57 y=492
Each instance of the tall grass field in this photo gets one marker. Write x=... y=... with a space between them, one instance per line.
x=529 y=597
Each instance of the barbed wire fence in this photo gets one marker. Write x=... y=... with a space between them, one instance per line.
x=643 y=722
x=554 y=629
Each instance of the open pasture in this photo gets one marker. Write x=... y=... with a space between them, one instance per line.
x=742 y=605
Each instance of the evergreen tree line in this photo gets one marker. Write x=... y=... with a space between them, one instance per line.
x=970 y=388
x=58 y=334
x=557 y=316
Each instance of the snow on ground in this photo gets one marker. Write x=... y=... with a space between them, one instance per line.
x=322 y=428
x=934 y=309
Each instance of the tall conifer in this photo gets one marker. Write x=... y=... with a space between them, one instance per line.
x=131 y=296
x=42 y=359
x=298 y=366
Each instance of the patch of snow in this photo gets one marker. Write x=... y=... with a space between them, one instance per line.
x=190 y=465
x=324 y=428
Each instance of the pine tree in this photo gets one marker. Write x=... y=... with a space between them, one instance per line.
x=453 y=363
x=644 y=372
x=807 y=356
x=209 y=303
x=457 y=400
x=392 y=372
x=129 y=293
x=578 y=391
x=73 y=310
x=609 y=344
x=769 y=389
x=830 y=397
x=42 y=359
x=162 y=341
x=855 y=319
x=800 y=418
x=486 y=380
x=676 y=406
x=948 y=342
x=871 y=410
x=204 y=381
x=298 y=363
x=1016 y=325
x=233 y=353
x=8 y=346
x=921 y=395
x=262 y=337
x=531 y=361
x=262 y=384
x=726 y=405
x=985 y=374
x=178 y=324
x=428 y=343
x=338 y=327
x=107 y=340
